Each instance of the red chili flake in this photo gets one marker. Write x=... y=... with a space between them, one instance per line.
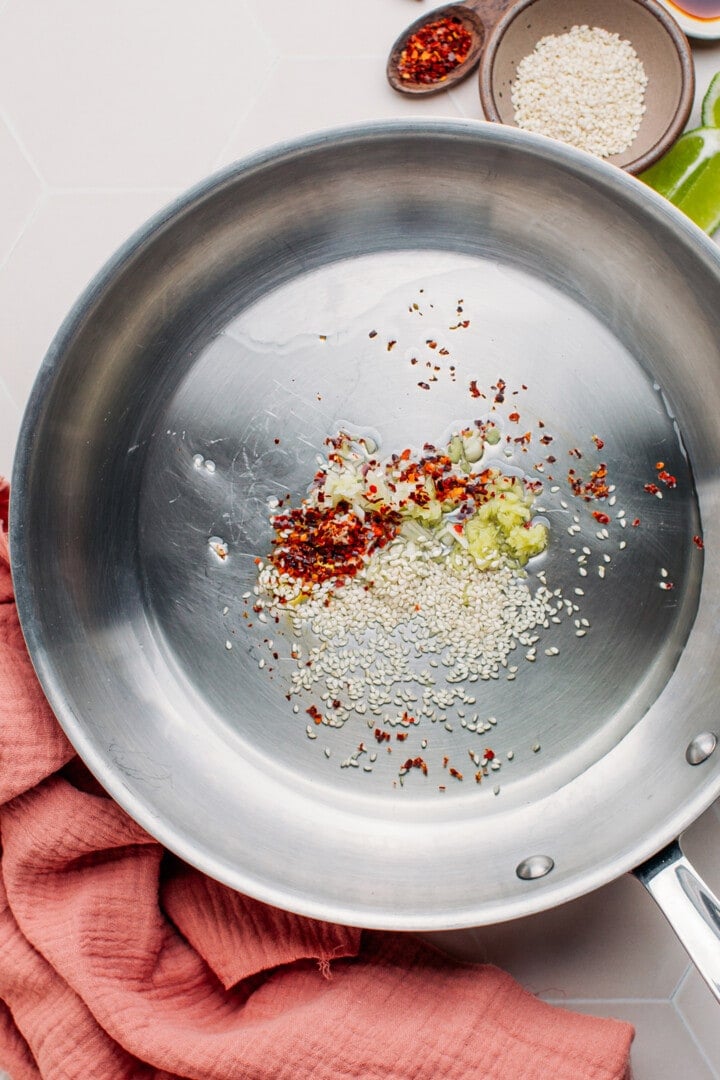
x=443 y=352
x=315 y=713
x=431 y=344
x=652 y=489
x=698 y=542
x=523 y=440
x=474 y=389
x=659 y=465
x=478 y=777
x=574 y=452
x=550 y=459
x=423 y=386
x=413 y=360
x=414 y=763
x=390 y=345
x=489 y=754
x=445 y=762
x=636 y=522
x=667 y=478
x=458 y=775
x=514 y=417
x=603 y=519
x=434 y=50
x=598 y=442
x=276 y=441
x=373 y=333
x=500 y=387
x=380 y=735
x=401 y=736
x=546 y=440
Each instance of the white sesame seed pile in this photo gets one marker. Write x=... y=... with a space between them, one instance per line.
x=585 y=87
x=407 y=609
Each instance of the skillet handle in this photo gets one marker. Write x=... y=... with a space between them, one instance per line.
x=690 y=907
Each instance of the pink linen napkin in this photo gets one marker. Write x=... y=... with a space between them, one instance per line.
x=118 y=962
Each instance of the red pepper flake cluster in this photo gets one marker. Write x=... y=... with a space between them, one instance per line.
x=594 y=488
x=433 y=51
x=319 y=544
x=664 y=477
x=315 y=714
x=698 y=542
x=414 y=763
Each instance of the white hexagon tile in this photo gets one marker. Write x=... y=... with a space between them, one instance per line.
x=107 y=112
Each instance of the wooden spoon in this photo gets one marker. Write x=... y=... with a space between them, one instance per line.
x=477 y=16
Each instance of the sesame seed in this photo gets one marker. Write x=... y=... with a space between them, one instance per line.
x=580 y=110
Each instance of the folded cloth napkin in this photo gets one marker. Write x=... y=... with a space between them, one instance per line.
x=117 y=961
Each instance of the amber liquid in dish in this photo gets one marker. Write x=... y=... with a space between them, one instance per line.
x=701 y=9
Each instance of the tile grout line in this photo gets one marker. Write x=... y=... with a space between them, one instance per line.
x=42 y=199
x=681 y=981
x=220 y=158
x=607 y=1001
x=99 y=190
x=5 y=389
x=23 y=149
x=695 y=1041
x=568 y=1003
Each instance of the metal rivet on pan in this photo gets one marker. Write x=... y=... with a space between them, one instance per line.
x=536 y=866
x=701 y=748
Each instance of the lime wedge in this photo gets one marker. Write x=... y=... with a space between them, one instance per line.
x=689 y=176
x=711 y=104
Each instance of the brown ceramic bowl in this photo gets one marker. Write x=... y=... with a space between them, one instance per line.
x=657 y=39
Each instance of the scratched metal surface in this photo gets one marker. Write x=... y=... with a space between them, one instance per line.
x=243 y=318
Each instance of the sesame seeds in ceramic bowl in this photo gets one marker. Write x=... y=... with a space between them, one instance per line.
x=615 y=79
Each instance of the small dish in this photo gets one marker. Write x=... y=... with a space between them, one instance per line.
x=658 y=41
x=696 y=25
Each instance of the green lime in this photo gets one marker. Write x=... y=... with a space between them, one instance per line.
x=689 y=176
x=711 y=104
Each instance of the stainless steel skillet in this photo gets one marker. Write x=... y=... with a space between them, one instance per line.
x=197 y=378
